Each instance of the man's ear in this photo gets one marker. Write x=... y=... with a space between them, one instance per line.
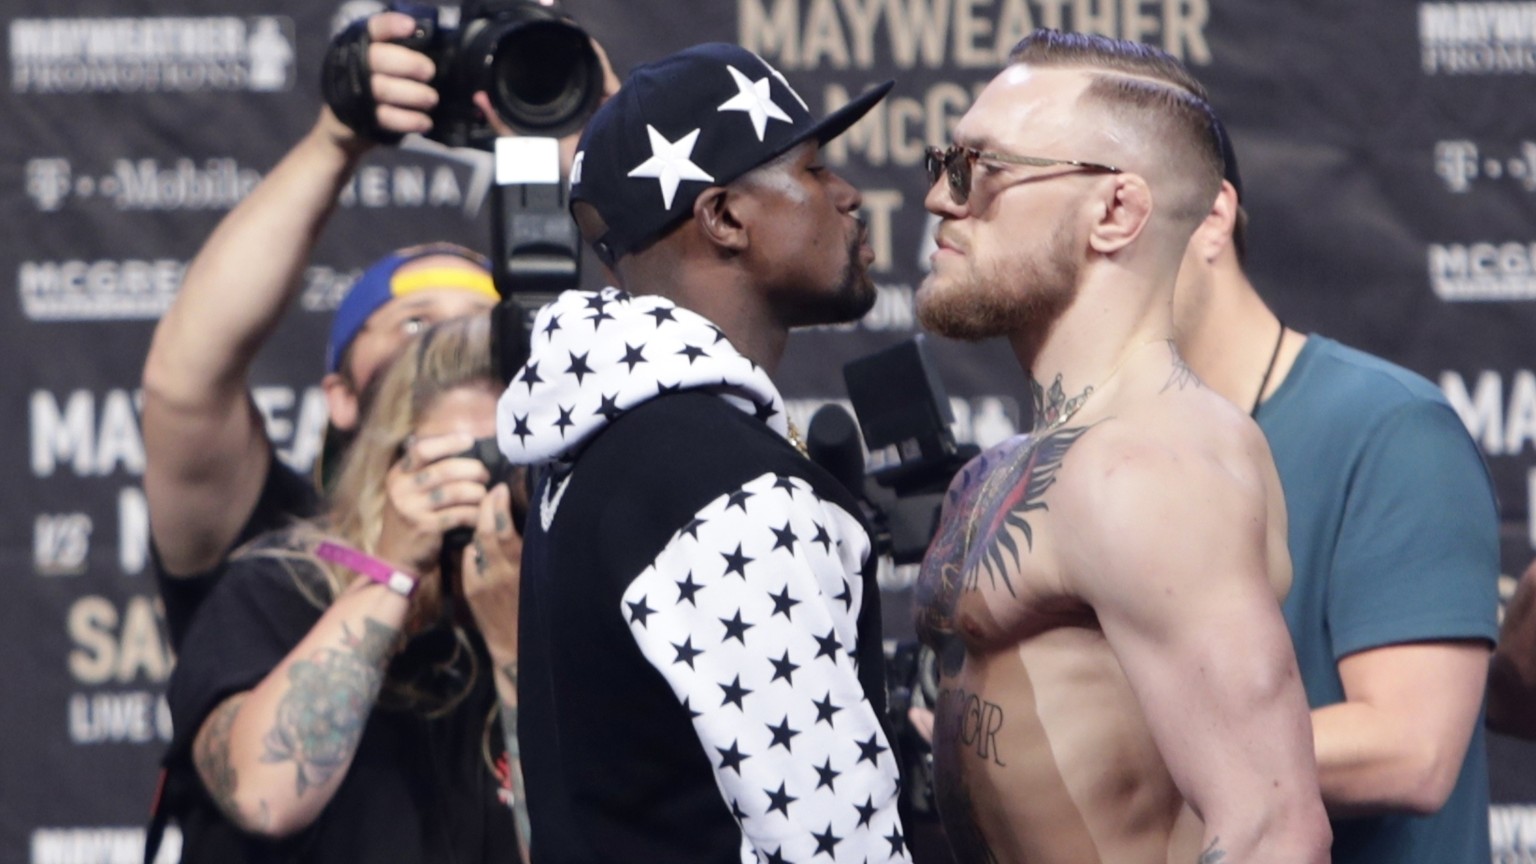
x=720 y=214
x=340 y=401
x=1121 y=215
x=1214 y=233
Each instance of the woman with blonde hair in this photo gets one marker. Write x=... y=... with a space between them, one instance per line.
x=337 y=695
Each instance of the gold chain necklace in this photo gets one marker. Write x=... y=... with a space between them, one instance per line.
x=799 y=442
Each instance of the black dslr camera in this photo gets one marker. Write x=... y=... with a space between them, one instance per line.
x=539 y=69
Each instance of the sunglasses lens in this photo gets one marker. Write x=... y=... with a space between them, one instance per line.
x=933 y=162
x=959 y=174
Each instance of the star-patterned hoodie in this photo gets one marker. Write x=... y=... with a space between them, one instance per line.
x=700 y=667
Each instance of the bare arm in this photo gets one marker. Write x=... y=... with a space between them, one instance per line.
x=1512 y=674
x=1386 y=747
x=205 y=445
x=273 y=757
x=492 y=571
x=1174 y=562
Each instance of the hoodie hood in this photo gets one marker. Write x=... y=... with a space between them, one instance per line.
x=595 y=356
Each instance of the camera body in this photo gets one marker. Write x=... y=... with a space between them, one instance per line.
x=485 y=451
x=539 y=69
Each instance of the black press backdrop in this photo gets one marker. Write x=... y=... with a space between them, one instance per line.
x=1389 y=150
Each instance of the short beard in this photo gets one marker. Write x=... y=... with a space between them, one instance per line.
x=851 y=300
x=1032 y=296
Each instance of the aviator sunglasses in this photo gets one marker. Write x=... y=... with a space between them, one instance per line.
x=957 y=162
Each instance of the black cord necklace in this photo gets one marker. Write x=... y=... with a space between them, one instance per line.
x=1264 y=382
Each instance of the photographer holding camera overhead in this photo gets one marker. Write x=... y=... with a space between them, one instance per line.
x=211 y=477
x=337 y=694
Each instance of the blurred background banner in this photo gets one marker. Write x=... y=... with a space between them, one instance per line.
x=1388 y=151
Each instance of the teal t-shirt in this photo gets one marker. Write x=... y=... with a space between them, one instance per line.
x=1393 y=539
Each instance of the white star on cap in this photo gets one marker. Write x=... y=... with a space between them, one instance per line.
x=671 y=163
x=754 y=98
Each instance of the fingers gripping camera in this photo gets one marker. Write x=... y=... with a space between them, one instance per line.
x=540 y=71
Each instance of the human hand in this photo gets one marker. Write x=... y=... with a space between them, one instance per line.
x=492 y=573
x=569 y=142
x=400 y=79
x=430 y=491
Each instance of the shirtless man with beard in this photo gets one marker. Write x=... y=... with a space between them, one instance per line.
x=1117 y=681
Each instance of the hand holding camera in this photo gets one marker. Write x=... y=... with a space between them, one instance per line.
x=433 y=489
x=539 y=73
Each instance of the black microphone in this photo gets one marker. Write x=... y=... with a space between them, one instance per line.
x=832 y=442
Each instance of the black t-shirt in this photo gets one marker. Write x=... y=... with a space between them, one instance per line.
x=285 y=497
x=418 y=790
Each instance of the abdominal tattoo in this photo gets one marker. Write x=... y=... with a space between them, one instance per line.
x=330 y=696
x=1213 y=855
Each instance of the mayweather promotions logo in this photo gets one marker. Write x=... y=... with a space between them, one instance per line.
x=1478 y=38
x=166 y=54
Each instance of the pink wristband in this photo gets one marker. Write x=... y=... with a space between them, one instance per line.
x=395 y=580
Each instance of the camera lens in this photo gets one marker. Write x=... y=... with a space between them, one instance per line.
x=544 y=76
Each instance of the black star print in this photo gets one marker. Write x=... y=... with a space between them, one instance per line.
x=693 y=352
x=846 y=596
x=784 y=538
x=823 y=537
x=579 y=366
x=639 y=611
x=739 y=499
x=553 y=325
x=689 y=708
x=732 y=758
x=736 y=810
x=520 y=428
x=692 y=527
x=664 y=389
x=763 y=410
x=597 y=301
x=686 y=588
x=825 y=709
x=785 y=483
x=779 y=800
x=866 y=810
x=782 y=668
x=782 y=603
x=686 y=652
x=871 y=749
x=735 y=628
x=530 y=376
x=633 y=356
x=782 y=734
x=734 y=692
x=896 y=840
x=829 y=645
x=775 y=857
x=610 y=408
x=598 y=318
x=719 y=334
x=825 y=841
x=828 y=776
x=663 y=313
x=565 y=421
x=736 y=562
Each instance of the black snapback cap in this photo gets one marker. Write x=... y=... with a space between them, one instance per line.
x=701 y=117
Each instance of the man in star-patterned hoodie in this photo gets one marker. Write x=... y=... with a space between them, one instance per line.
x=700 y=662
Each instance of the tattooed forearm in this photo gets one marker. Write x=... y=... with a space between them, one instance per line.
x=211 y=755
x=321 y=717
x=1213 y=854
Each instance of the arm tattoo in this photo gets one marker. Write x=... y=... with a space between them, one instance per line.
x=321 y=718
x=1212 y=855
x=212 y=758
